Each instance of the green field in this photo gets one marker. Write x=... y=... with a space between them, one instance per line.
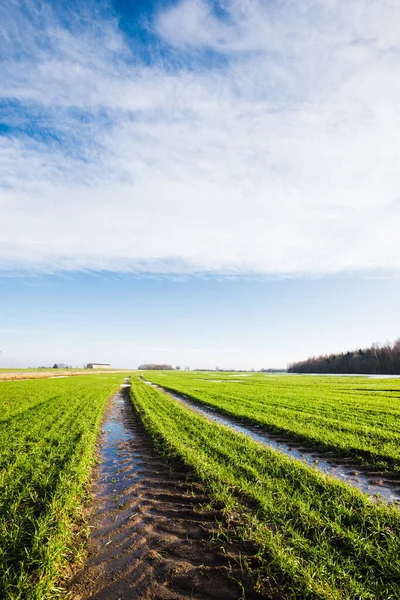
x=348 y=416
x=48 y=430
x=316 y=538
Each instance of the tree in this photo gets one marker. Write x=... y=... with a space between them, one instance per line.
x=155 y=367
x=378 y=359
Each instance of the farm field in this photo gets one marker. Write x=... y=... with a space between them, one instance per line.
x=311 y=536
x=316 y=537
x=48 y=430
x=353 y=417
x=18 y=374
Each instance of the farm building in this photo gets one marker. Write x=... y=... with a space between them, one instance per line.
x=98 y=366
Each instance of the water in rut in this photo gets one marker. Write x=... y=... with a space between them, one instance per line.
x=150 y=538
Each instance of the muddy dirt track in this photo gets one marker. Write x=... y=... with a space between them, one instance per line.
x=151 y=538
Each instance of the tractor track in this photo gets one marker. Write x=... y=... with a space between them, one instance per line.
x=151 y=537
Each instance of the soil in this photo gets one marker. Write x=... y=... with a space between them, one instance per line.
x=56 y=374
x=152 y=537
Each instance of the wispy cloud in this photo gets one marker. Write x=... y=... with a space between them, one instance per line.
x=261 y=138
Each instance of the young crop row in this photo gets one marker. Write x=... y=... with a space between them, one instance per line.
x=347 y=416
x=316 y=537
x=48 y=430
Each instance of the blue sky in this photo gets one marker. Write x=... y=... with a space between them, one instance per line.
x=198 y=322
x=198 y=182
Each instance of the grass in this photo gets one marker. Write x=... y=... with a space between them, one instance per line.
x=316 y=538
x=48 y=430
x=348 y=416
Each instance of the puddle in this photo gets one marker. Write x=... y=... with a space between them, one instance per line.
x=374 y=485
x=115 y=449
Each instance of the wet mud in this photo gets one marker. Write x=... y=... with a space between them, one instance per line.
x=151 y=537
x=377 y=485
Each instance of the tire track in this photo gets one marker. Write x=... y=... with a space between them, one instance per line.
x=378 y=485
x=150 y=537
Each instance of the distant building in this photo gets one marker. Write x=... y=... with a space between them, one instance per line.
x=98 y=366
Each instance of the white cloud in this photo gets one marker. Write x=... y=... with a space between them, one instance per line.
x=284 y=158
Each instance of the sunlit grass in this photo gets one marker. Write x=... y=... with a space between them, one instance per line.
x=48 y=430
x=317 y=538
x=357 y=417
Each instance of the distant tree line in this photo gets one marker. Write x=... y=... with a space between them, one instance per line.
x=154 y=367
x=378 y=359
x=57 y=366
